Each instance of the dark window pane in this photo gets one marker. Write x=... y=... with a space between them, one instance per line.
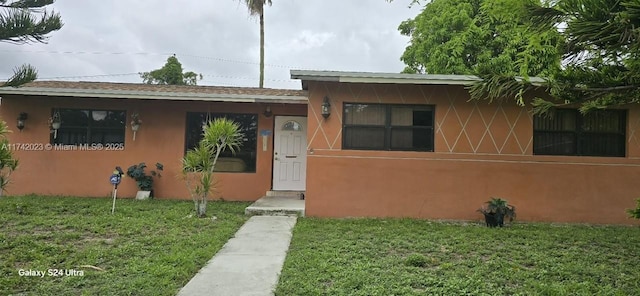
x=560 y=120
x=554 y=143
x=423 y=118
x=108 y=118
x=597 y=133
x=412 y=139
x=243 y=160
x=411 y=116
x=602 y=145
x=364 y=137
x=71 y=136
x=361 y=114
x=602 y=121
x=74 y=117
x=388 y=127
x=106 y=137
x=80 y=127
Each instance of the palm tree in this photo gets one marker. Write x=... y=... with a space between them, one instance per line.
x=199 y=164
x=256 y=7
x=23 y=22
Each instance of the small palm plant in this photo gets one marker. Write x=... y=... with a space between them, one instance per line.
x=496 y=211
x=635 y=213
x=199 y=163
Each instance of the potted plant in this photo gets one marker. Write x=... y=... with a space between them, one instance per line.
x=496 y=211
x=54 y=124
x=135 y=123
x=144 y=180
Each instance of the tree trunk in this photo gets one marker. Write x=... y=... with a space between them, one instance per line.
x=202 y=209
x=261 y=85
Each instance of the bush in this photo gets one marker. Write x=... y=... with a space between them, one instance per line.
x=143 y=180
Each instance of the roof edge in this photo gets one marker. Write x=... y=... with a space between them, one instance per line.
x=149 y=95
x=395 y=78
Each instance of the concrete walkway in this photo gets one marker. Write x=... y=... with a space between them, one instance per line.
x=249 y=263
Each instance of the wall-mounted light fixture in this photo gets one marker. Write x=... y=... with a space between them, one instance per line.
x=326 y=107
x=22 y=117
x=135 y=123
x=267 y=112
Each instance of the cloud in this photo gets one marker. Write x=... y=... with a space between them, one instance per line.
x=216 y=38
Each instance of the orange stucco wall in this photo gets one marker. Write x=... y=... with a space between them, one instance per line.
x=161 y=138
x=482 y=150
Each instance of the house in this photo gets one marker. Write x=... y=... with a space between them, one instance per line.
x=100 y=113
x=402 y=145
x=358 y=144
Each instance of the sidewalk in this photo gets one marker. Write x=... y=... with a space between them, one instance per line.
x=249 y=263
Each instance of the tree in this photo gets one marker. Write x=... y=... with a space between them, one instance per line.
x=256 y=7
x=171 y=73
x=469 y=36
x=8 y=163
x=600 y=53
x=26 y=21
x=199 y=164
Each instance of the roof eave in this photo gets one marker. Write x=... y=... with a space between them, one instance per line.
x=145 y=95
x=393 y=78
x=406 y=81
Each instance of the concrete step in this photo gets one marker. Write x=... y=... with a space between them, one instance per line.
x=276 y=206
x=284 y=193
x=255 y=211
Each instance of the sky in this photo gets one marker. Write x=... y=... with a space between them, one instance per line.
x=114 y=40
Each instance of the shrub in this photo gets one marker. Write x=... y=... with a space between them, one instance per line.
x=144 y=181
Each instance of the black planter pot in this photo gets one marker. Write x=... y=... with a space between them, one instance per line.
x=494 y=219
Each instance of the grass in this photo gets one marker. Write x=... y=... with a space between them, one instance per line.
x=412 y=257
x=145 y=248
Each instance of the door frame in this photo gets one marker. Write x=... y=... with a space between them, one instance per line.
x=277 y=122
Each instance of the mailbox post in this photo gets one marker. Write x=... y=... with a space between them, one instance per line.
x=115 y=179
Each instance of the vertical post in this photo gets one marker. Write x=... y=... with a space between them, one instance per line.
x=115 y=192
x=115 y=179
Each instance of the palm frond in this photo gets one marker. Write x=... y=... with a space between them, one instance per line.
x=21 y=75
x=21 y=26
x=256 y=7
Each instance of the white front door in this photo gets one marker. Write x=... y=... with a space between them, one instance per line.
x=290 y=153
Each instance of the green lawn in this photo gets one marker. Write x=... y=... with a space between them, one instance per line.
x=412 y=257
x=146 y=248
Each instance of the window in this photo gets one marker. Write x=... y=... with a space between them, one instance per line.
x=567 y=132
x=388 y=127
x=292 y=126
x=243 y=160
x=82 y=126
